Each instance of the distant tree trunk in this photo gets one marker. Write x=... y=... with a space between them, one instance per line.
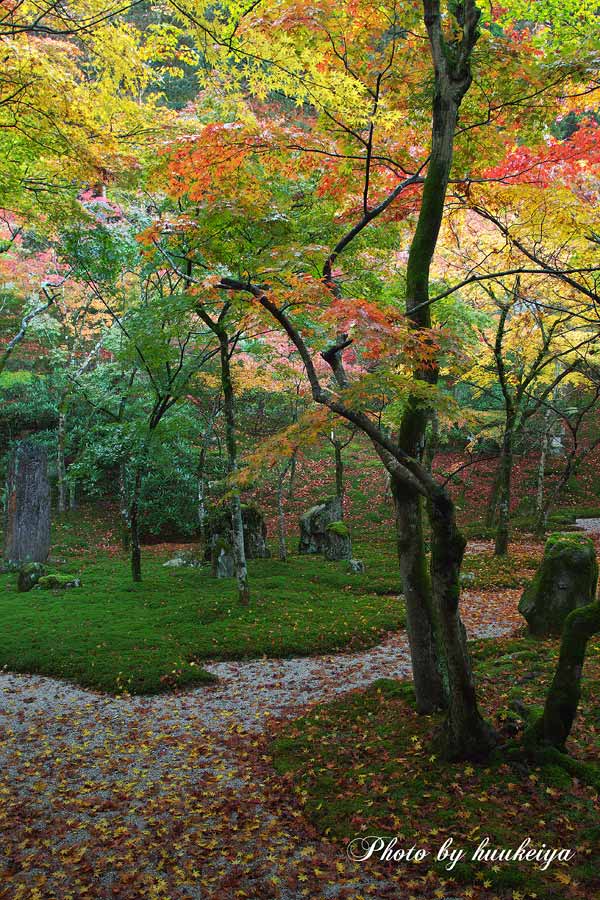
x=540 y=508
x=60 y=461
x=492 y=506
x=292 y=480
x=504 y=488
x=72 y=494
x=27 y=521
x=201 y=487
x=239 y=553
x=134 y=527
x=281 y=514
x=339 y=473
x=125 y=519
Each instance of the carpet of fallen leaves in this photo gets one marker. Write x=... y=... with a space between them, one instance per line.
x=174 y=796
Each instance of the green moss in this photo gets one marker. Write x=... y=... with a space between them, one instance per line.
x=112 y=634
x=55 y=581
x=339 y=528
x=363 y=764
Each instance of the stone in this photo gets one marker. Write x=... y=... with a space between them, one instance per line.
x=565 y=580
x=314 y=523
x=218 y=528
x=57 y=582
x=29 y=575
x=27 y=518
x=338 y=545
x=223 y=563
x=184 y=559
x=356 y=566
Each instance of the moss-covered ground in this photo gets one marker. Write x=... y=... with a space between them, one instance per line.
x=365 y=765
x=116 y=635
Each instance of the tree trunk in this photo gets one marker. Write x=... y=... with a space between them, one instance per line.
x=72 y=494
x=540 y=508
x=554 y=725
x=237 y=525
x=125 y=520
x=281 y=515
x=467 y=735
x=201 y=489
x=292 y=480
x=504 y=490
x=60 y=462
x=416 y=588
x=492 y=507
x=339 y=473
x=134 y=528
x=27 y=519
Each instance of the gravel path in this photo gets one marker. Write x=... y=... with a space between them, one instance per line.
x=591 y=525
x=173 y=796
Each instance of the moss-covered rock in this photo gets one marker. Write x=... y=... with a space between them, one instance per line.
x=338 y=545
x=29 y=575
x=565 y=580
x=222 y=561
x=339 y=528
x=218 y=527
x=57 y=582
x=315 y=522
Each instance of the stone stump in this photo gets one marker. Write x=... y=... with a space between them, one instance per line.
x=27 y=518
x=566 y=579
x=338 y=545
x=314 y=524
x=218 y=528
x=222 y=561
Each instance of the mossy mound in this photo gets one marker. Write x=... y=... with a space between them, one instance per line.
x=57 y=582
x=565 y=580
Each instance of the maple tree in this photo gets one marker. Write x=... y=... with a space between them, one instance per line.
x=253 y=232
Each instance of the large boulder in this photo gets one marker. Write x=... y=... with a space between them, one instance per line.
x=314 y=524
x=565 y=580
x=218 y=528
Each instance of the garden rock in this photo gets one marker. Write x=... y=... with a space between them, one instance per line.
x=218 y=528
x=29 y=575
x=357 y=566
x=222 y=560
x=184 y=558
x=338 y=545
x=566 y=579
x=57 y=582
x=314 y=524
x=27 y=520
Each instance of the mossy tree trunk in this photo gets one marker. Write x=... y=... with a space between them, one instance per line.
x=554 y=725
x=467 y=734
x=416 y=588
